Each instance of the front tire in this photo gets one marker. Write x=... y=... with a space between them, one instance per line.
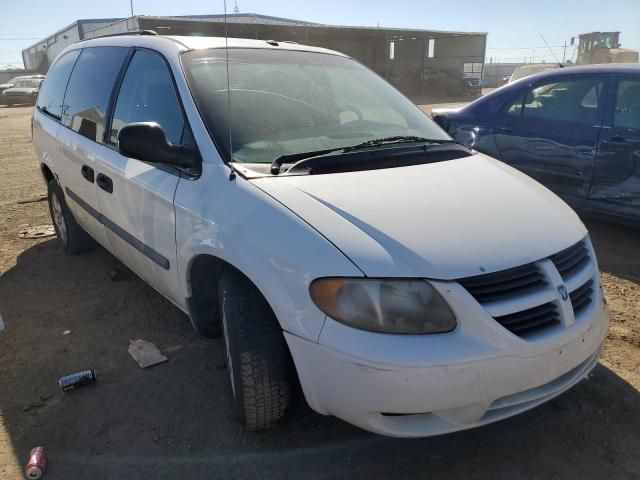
x=258 y=359
x=71 y=235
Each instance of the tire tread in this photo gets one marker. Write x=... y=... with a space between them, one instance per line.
x=258 y=348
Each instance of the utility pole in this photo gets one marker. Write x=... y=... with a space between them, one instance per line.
x=131 y=3
x=564 y=52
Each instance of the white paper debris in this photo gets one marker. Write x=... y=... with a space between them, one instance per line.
x=145 y=353
x=66 y=332
x=39 y=231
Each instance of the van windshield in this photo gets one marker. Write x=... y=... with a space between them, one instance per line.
x=284 y=102
x=528 y=70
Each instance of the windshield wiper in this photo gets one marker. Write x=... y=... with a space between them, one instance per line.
x=46 y=111
x=296 y=157
x=396 y=139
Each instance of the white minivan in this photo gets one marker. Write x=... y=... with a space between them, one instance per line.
x=291 y=201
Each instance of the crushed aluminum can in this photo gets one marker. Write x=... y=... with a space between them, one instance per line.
x=37 y=463
x=79 y=379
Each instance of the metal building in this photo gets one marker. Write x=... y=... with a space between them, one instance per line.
x=420 y=62
x=39 y=56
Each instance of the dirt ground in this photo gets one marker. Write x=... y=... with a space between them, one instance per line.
x=175 y=420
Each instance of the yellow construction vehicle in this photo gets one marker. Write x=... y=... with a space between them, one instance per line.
x=603 y=47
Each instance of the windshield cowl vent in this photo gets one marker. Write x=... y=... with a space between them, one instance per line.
x=346 y=164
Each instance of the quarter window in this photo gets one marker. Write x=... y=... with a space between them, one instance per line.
x=515 y=107
x=627 y=113
x=52 y=92
x=89 y=89
x=147 y=94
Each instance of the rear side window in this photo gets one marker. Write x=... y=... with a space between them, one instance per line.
x=89 y=89
x=147 y=94
x=52 y=91
x=627 y=113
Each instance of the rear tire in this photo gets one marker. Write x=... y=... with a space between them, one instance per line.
x=257 y=355
x=71 y=235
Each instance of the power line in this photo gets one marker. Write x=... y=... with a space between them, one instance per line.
x=523 y=48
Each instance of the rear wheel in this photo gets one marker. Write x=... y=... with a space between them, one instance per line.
x=258 y=359
x=71 y=235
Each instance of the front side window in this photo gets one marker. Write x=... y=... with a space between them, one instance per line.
x=147 y=94
x=570 y=100
x=627 y=110
x=288 y=102
x=52 y=92
x=89 y=90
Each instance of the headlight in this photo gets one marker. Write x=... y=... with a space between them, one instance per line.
x=389 y=306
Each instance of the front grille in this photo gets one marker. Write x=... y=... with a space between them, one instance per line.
x=509 y=288
x=530 y=320
x=504 y=284
x=571 y=260
x=581 y=297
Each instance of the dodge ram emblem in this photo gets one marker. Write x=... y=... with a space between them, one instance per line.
x=562 y=290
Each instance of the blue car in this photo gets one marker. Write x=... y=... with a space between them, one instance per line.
x=576 y=130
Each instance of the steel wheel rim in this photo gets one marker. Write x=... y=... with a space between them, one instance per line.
x=58 y=217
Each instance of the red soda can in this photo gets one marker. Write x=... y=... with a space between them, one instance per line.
x=37 y=462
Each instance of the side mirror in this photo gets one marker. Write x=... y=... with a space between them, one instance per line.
x=443 y=120
x=146 y=141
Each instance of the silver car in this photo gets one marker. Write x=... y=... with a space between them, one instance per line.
x=24 y=91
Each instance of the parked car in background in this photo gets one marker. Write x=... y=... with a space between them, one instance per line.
x=24 y=91
x=531 y=69
x=14 y=80
x=575 y=130
x=292 y=202
x=472 y=86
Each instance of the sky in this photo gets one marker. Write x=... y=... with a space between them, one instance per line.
x=515 y=27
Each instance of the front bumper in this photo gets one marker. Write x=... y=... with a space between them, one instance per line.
x=414 y=386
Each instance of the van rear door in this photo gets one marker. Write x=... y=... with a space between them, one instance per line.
x=81 y=137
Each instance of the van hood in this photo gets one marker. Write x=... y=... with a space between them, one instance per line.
x=445 y=220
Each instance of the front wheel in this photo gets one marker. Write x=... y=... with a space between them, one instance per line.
x=258 y=359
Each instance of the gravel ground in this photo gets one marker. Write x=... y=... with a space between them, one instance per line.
x=175 y=420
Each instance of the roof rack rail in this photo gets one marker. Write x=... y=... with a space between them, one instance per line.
x=133 y=32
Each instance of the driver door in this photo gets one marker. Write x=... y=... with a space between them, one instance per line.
x=136 y=197
x=551 y=132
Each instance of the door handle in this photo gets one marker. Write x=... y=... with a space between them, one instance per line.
x=510 y=127
x=87 y=173
x=105 y=183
